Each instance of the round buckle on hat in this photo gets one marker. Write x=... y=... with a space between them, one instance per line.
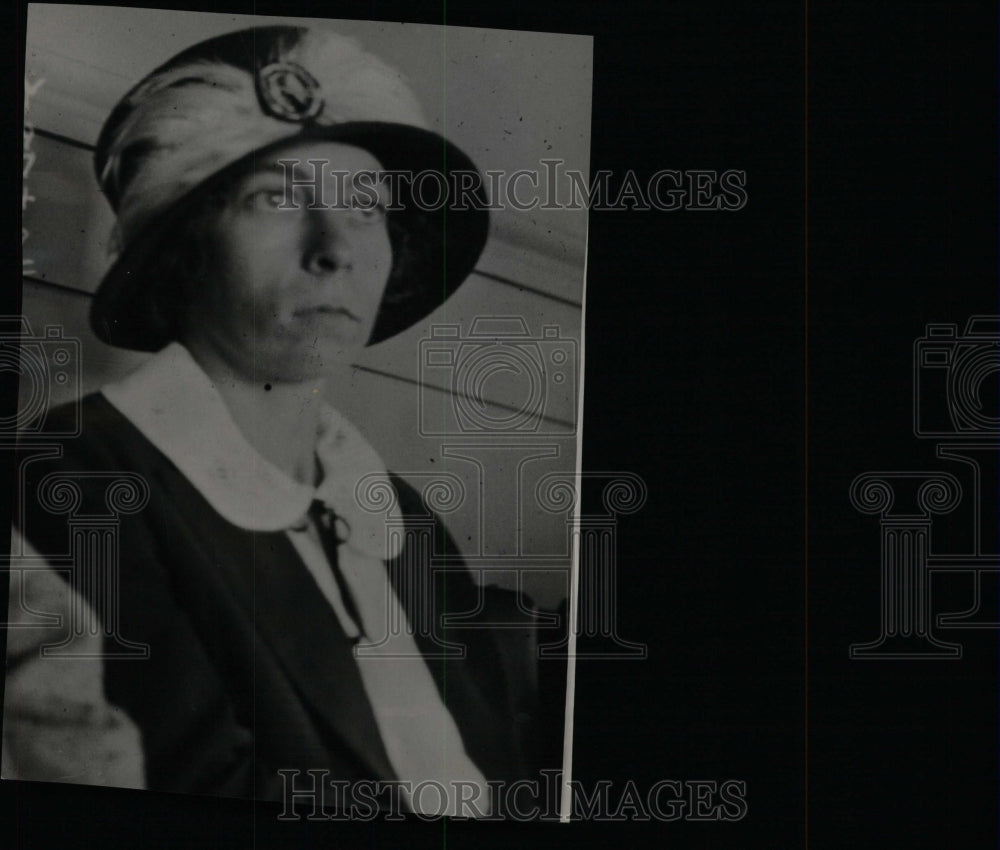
x=288 y=91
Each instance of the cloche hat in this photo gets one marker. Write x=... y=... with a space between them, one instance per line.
x=216 y=107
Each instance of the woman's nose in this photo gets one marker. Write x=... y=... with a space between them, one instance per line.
x=328 y=247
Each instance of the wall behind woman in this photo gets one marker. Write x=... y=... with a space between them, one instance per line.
x=498 y=420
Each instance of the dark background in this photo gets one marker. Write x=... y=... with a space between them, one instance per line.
x=748 y=365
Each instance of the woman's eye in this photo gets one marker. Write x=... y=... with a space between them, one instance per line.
x=372 y=213
x=265 y=199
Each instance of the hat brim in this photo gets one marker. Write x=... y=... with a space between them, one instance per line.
x=446 y=240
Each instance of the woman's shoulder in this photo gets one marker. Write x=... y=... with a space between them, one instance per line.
x=66 y=419
x=410 y=501
x=87 y=435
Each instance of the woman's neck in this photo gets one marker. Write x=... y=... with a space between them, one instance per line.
x=280 y=420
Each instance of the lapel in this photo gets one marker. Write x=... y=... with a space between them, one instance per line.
x=299 y=626
x=240 y=503
x=473 y=687
x=293 y=622
x=283 y=606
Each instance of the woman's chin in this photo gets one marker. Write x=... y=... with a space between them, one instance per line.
x=306 y=363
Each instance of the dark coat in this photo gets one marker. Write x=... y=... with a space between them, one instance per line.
x=249 y=670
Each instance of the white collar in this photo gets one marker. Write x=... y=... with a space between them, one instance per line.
x=178 y=409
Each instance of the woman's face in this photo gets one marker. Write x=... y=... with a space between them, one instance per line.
x=292 y=292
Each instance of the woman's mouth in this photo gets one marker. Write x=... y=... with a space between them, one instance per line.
x=324 y=311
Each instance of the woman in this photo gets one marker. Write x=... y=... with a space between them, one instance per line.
x=290 y=626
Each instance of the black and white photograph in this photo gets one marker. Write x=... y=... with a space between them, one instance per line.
x=296 y=466
x=443 y=424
